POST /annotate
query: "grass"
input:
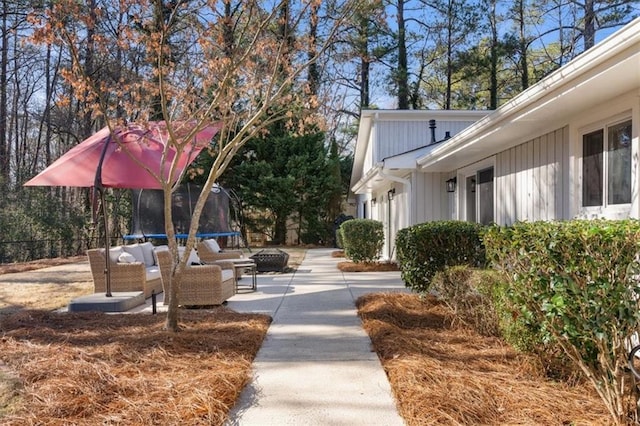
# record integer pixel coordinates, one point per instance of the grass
(446, 374)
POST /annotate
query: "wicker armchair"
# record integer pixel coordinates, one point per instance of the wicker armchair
(201, 285)
(124, 276)
(209, 252)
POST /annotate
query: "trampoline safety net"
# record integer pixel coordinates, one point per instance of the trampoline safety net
(148, 210)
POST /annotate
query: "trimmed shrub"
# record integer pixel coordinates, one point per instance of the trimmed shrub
(577, 283)
(428, 248)
(362, 239)
(469, 294)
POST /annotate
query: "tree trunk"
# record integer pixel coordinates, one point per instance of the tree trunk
(493, 73)
(589, 24)
(4, 152)
(402, 71)
(524, 62)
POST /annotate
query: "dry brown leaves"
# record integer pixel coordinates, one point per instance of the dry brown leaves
(444, 375)
(10, 268)
(349, 266)
(95, 368)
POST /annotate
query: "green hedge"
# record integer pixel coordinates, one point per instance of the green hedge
(425, 249)
(577, 283)
(362, 239)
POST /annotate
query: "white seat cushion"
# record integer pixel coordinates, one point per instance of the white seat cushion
(227, 274)
(126, 258)
(193, 256)
(153, 272)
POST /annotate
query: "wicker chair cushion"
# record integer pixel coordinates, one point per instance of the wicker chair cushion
(126, 258)
(147, 252)
(114, 253)
(193, 256)
(213, 245)
(135, 250)
(152, 272)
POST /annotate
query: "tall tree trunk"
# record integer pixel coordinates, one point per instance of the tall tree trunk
(589, 24)
(4, 152)
(524, 47)
(402, 71)
(313, 76)
(493, 73)
(87, 120)
(365, 63)
(450, 24)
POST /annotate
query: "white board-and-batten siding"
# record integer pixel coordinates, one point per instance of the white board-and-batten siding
(397, 137)
(532, 180)
(432, 200)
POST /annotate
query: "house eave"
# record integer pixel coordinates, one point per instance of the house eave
(609, 69)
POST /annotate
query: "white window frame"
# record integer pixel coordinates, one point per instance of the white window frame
(461, 178)
(610, 211)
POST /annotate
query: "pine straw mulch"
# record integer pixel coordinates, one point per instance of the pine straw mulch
(444, 374)
(349, 266)
(96, 368)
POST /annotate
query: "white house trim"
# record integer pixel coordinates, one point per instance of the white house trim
(609, 69)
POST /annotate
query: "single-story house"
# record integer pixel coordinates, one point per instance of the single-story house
(567, 147)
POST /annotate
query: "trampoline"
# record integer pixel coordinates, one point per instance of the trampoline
(148, 213)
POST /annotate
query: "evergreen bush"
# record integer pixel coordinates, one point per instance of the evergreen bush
(577, 283)
(362, 239)
(428, 248)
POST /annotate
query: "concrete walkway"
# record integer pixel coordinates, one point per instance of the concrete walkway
(316, 366)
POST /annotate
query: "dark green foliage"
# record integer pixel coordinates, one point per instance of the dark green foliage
(288, 181)
(576, 283)
(36, 224)
(428, 248)
(362, 239)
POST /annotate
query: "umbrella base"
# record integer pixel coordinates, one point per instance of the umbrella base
(118, 302)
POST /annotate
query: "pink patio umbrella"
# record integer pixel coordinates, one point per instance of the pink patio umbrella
(127, 158)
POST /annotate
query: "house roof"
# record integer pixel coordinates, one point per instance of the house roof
(609, 69)
(397, 164)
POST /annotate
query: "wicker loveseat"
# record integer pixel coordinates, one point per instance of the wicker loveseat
(133, 268)
(201, 285)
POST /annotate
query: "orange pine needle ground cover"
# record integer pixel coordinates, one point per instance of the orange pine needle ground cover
(349, 266)
(95, 368)
(449, 375)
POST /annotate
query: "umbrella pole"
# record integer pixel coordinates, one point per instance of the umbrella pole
(98, 185)
(107, 263)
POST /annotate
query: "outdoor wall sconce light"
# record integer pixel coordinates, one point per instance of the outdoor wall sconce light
(451, 184)
(373, 201)
(390, 194)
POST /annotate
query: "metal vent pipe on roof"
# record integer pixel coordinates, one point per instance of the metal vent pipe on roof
(432, 126)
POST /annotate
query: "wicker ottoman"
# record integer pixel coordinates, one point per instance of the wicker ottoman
(271, 260)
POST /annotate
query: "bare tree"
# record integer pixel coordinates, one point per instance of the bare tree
(244, 87)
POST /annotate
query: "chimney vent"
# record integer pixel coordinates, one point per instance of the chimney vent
(432, 126)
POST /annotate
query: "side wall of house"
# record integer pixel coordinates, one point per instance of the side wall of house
(541, 179)
(532, 180)
(395, 137)
(432, 202)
